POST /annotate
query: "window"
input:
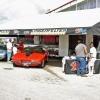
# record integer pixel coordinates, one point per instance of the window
(98, 5)
(92, 4)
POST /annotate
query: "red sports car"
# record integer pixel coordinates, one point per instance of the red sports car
(31, 56)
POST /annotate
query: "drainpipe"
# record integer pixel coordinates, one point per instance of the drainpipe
(96, 3)
(70, 7)
(76, 4)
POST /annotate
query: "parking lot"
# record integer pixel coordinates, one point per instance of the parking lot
(48, 83)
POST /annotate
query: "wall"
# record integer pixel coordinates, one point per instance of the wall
(63, 45)
(89, 38)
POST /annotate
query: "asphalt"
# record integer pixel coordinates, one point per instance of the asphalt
(48, 83)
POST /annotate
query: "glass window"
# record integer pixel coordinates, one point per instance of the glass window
(85, 6)
(91, 5)
(98, 5)
(94, 4)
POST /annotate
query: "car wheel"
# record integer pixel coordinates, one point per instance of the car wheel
(14, 65)
(42, 64)
(5, 59)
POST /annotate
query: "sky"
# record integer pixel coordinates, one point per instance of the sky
(12, 9)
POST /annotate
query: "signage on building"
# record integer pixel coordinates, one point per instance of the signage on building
(20, 32)
(4, 32)
(55, 31)
(80, 30)
(26, 32)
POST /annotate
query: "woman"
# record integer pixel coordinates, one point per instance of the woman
(20, 46)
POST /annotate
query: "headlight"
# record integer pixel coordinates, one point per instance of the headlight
(34, 62)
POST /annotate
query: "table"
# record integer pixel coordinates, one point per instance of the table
(70, 66)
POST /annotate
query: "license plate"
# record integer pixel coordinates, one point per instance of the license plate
(26, 63)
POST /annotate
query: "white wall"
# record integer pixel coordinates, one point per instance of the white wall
(63, 45)
(89, 38)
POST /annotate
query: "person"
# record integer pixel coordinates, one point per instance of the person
(14, 49)
(37, 39)
(20, 46)
(14, 41)
(81, 53)
(9, 50)
(92, 59)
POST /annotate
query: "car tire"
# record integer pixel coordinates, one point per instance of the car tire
(5, 59)
(14, 65)
(42, 64)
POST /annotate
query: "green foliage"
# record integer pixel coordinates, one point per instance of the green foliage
(3, 47)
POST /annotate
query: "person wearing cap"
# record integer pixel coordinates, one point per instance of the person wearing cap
(92, 59)
(81, 54)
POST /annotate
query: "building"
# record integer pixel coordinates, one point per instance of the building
(57, 30)
(76, 5)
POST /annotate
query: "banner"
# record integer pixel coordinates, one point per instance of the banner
(20, 32)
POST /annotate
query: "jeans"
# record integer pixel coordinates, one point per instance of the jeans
(81, 65)
(9, 53)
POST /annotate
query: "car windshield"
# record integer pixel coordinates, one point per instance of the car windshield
(36, 49)
(3, 47)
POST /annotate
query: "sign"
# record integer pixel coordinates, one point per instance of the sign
(26, 32)
(74, 65)
(4, 32)
(80, 30)
(20, 32)
(55, 31)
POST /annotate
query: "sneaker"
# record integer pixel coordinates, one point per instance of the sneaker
(78, 75)
(9, 62)
(84, 75)
(88, 74)
(91, 74)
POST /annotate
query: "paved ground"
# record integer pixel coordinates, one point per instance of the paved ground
(46, 84)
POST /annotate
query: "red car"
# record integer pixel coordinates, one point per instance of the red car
(31, 56)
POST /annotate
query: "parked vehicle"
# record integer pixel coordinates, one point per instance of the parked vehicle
(3, 52)
(30, 57)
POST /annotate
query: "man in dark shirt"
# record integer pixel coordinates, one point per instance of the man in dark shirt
(81, 53)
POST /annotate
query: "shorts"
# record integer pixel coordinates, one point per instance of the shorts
(91, 62)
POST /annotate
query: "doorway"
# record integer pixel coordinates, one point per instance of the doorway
(73, 42)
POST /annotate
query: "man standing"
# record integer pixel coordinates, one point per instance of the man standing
(81, 53)
(9, 50)
(92, 59)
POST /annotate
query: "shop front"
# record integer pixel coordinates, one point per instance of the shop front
(59, 32)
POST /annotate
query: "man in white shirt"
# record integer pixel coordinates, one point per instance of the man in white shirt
(92, 59)
(9, 50)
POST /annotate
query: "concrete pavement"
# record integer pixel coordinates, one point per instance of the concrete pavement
(48, 83)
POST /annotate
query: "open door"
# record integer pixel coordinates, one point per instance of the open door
(73, 42)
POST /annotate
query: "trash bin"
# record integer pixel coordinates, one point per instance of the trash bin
(97, 66)
(98, 55)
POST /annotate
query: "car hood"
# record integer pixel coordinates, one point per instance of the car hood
(33, 56)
